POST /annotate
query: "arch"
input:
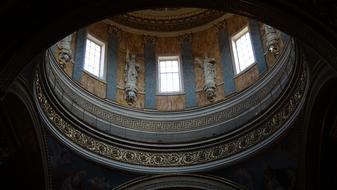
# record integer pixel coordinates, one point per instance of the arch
(320, 142)
(26, 161)
(180, 181)
(25, 39)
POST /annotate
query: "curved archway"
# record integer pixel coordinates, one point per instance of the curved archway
(322, 139)
(24, 161)
(19, 47)
(180, 182)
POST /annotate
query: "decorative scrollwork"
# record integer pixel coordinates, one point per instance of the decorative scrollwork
(166, 158)
(115, 31)
(149, 39)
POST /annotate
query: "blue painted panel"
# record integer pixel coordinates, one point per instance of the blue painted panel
(79, 54)
(150, 75)
(226, 62)
(257, 45)
(188, 74)
(112, 63)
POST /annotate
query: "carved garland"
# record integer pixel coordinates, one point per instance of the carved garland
(172, 159)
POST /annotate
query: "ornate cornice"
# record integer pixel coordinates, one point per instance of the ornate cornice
(167, 13)
(167, 24)
(173, 159)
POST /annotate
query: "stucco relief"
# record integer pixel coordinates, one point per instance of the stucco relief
(272, 37)
(65, 55)
(208, 65)
(131, 76)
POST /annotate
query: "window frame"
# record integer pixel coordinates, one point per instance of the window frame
(234, 51)
(180, 74)
(102, 65)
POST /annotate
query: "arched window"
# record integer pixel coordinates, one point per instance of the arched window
(242, 50)
(94, 57)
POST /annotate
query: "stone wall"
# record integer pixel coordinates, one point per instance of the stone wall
(93, 85)
(170, 103)
(247, 78)
(235, 24)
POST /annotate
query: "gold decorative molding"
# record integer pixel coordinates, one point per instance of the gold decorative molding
(149, 39)
(115, 30)
(167, 13)
(177, 158)
(220, 25)
(187, 37)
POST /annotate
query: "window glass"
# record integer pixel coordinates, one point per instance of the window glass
(169, 74)
(242, 50)
(93, 62)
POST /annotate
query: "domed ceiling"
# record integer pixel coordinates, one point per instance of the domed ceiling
(117, 113)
